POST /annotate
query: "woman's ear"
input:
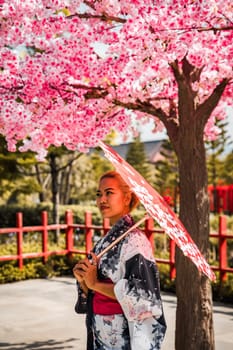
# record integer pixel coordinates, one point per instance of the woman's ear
(128, 197)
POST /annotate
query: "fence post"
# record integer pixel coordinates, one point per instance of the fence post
(222, 247)
(149, 231)
(19, 224)
(69, 232)
(172, 259)
(88, 224)
(44, 219)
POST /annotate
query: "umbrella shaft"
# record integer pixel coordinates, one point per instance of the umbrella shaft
(121, 237)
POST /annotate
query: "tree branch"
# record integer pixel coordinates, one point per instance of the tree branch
(103, 17)
(170, 121)
(145, 107)
(198, 29)
(205, 109)
(70, 162)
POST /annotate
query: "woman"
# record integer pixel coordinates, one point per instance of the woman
(123, 295)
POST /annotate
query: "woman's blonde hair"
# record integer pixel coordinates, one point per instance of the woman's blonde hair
(112, 174)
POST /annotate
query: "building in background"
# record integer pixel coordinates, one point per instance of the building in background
(152, 150)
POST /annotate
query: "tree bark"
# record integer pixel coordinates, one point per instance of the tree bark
(65, 185)
(55, 193)
(40, 181)
(194, 320)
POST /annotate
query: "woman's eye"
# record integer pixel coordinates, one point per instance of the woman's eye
(98, 194)
(108, 193)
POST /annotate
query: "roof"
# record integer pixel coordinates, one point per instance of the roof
(152, 150)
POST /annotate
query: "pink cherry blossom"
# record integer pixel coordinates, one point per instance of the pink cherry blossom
(70, 72)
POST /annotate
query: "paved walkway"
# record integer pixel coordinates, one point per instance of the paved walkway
(39, 315)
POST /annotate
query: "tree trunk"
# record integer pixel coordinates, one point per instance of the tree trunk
(40, 181)
(55, 193)
(175, 196)
(194, 320)
(65, 185)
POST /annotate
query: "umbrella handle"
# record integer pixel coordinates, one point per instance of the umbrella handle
(122, 236)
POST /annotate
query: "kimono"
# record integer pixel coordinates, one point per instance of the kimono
(138, 322)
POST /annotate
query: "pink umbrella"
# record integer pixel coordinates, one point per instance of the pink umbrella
(158, 209)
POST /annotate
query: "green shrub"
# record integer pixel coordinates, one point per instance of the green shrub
(31, 214)
(32, 269)
(223, 291)
(11, 273)
(166, 284)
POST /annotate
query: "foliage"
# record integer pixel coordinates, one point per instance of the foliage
(90, 169)
(15, 170)
(215, 149)
(166, 283)
(167, 174)
(227, 169)
(65, 177)
(89, 173)
(223, 291)
(55, 172)
(230, 223)
(136, 156)
(31, 214)
(214, 222)
(79, 211)
(55, 266)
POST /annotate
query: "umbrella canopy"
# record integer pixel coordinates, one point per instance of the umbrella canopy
(158, 209)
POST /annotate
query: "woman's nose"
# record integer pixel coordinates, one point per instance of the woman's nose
(103, 199)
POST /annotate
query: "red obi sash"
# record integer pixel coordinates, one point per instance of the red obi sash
(103, 305)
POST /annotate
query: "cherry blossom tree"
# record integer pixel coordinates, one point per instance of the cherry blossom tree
(70, 71)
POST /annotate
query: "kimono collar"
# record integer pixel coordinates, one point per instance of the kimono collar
(122, 225)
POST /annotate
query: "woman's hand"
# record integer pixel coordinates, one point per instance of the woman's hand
(85, 271)
(78, 274)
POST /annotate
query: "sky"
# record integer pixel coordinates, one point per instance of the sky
(147, 135)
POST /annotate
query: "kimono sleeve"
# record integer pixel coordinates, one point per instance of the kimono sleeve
(81, 303)
(138, 291)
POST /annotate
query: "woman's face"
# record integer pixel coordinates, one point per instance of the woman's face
(112, 202)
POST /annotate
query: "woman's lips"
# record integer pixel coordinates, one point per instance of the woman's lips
(103, 207)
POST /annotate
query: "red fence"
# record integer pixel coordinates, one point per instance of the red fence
(88, 228)
(221, 198)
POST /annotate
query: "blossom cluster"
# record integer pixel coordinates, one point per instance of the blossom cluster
(70, 70)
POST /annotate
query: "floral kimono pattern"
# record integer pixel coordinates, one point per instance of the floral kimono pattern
(131, 266)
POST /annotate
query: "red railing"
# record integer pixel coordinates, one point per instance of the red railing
(88, 229)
